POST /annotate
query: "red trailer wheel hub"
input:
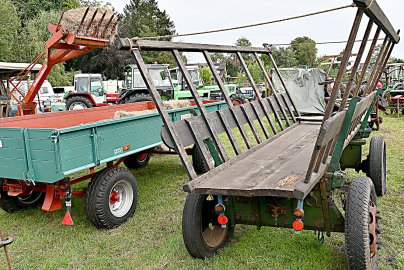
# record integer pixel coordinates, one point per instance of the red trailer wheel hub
(114, 197)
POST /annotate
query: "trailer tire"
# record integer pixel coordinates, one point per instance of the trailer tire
(201, 232)
(198, 161)
(139, 97)
(137, 161)
(237, 100)
(359, 219)
(73, 101)
(377, 164)
(12, 204)
(111, 198)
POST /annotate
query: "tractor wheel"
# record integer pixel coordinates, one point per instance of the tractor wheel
(237, 100)
(12, 204)
(377, 164)
(361, 225)
(111, 198)
(139, 97)
(198, 161)
(138, 160)
(78, 103)
(201, 232)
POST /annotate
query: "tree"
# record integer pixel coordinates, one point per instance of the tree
(284, 57)
(28, 10)
(207, 75)
(243, 42)
(256, 72)
(305, 50)
(10, 24)
(31, 43)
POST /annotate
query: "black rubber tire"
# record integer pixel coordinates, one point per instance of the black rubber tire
(198, 161)
(133, 162)
(357, 224)
(13, 204)
(377, 164)
(195, 217)
(4, 97)
(237, 100)
(78, 99)
(97, 197)
(139, 97)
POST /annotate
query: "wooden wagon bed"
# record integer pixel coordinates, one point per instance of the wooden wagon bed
(271, 169)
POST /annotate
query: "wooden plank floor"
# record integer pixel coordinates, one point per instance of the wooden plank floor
(273, 170)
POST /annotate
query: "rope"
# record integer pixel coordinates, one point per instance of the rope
(321, 43)
(249, 25)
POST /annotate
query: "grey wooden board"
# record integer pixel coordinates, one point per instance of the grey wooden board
(273, 170)
(185, 134)
(364, 104)
(331, 128)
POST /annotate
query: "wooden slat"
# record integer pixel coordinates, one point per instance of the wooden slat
(281, 106)
(200, 143)
(172, 133)
(229, 133)
(264, 128)
(277, 118)
(199, 103)
(251, 123)
(226, 97)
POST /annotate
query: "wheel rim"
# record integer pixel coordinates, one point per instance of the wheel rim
(30, 198)
(237, 102)
(77, 106)
(121, 198)
(373, 232)
(212, 232)
(141, 157)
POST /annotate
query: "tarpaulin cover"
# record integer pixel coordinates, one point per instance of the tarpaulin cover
(303, 87)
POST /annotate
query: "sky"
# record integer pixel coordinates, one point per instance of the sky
(193, 16)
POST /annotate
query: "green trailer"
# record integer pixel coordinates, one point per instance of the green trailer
(40, 154)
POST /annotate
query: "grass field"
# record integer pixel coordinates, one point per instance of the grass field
(152, 239)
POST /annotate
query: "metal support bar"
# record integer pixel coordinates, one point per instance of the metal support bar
(343, 65)
(356, 64)
(199, 103)
(269, 53)
(164, 114)
(376, 67)
(226, 97)
(367, 61)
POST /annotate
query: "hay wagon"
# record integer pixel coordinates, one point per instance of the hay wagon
(265, 165)
(40, 156)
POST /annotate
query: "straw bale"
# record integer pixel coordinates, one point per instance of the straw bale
(72, 18)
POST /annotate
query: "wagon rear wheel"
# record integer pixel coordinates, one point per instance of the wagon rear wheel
(12, 204)
(361, 225)
(138, 160)
(198, 161)
(111, 198)
(201, 232)
(377, 164)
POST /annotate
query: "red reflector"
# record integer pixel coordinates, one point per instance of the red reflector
(222, 219)
(297, 225)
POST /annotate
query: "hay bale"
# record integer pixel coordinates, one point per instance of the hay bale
(169, 104)
(176, 104)
(123, 114)
(72, 18)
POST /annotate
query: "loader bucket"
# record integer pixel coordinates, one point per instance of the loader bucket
(91, 23)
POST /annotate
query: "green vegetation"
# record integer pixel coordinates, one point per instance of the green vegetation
(152, 238)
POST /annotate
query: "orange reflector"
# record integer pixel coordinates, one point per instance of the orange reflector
(297, 225)
(298, 213)
(219, 208)
(126, 147)
(222, 219)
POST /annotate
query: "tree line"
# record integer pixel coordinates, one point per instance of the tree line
(24, 31)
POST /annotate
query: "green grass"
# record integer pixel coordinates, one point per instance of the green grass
(152, 238)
